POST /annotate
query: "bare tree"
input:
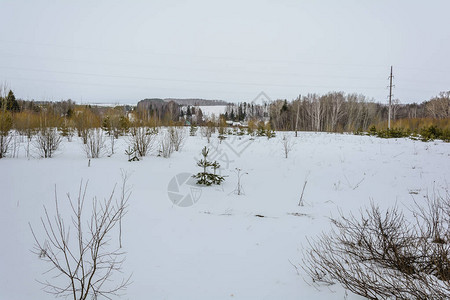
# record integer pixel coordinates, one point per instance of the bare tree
(177, 137)
(396, 105)
(297, 115)
(288, 144)
(142, 140)
(336, 111)
(80, 258)
(95, 143)
(439, 107)
(47, 141)
(165, 145)
(207, 131)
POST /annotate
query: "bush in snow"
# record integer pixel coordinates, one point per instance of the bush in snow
(5, 130)
(142, 139)
(177, 137)
(47, 141)
(165, 145)
(381, 255)
(95, 143)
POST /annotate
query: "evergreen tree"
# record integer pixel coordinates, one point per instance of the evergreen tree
(199, 116)
(285, 107)
(11, 102)
(69, 113)
(124, 124)
(106, 125)
(193, 130)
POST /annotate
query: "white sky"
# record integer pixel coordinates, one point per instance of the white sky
(124, 51)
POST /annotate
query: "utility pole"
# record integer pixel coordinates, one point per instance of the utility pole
(390, 99)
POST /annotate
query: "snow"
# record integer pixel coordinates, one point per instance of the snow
(210, 110)
(218, 248)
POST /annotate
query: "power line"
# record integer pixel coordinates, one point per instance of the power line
(189, 68)
(228, 58)
(187, 80)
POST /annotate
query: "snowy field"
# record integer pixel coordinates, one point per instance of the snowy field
(218, 248)
(209, 111)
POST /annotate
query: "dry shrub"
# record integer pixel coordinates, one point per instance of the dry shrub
(165, 144)
(47, 141)
(5, 132)
(380, 255)
(177, 137)
(95, 144)
(142, 139)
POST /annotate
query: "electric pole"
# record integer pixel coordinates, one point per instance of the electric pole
(390, 99)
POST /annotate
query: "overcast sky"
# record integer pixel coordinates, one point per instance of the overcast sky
(124, 51)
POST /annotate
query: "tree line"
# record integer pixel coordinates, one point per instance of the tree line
(340, 112)
(331, 112)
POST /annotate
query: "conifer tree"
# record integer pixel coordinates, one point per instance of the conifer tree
(205, 177)
(193, 130)
(11, 102)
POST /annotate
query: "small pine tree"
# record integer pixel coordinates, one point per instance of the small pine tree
(106, 125)
(193, 130)
(261, 130)
(205, 177)
(372, 130)
(217, 179)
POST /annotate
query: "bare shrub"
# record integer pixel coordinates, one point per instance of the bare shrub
(177, 137)
(95, 143)
(15, 144)
(239, 190)
(207, 131)
(165, 144)
(142, 139)
(47, 141)
(287, 144)
(381, 255)
(82, 263)
(26, 124)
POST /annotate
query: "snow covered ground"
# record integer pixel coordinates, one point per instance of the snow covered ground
(218, 248)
